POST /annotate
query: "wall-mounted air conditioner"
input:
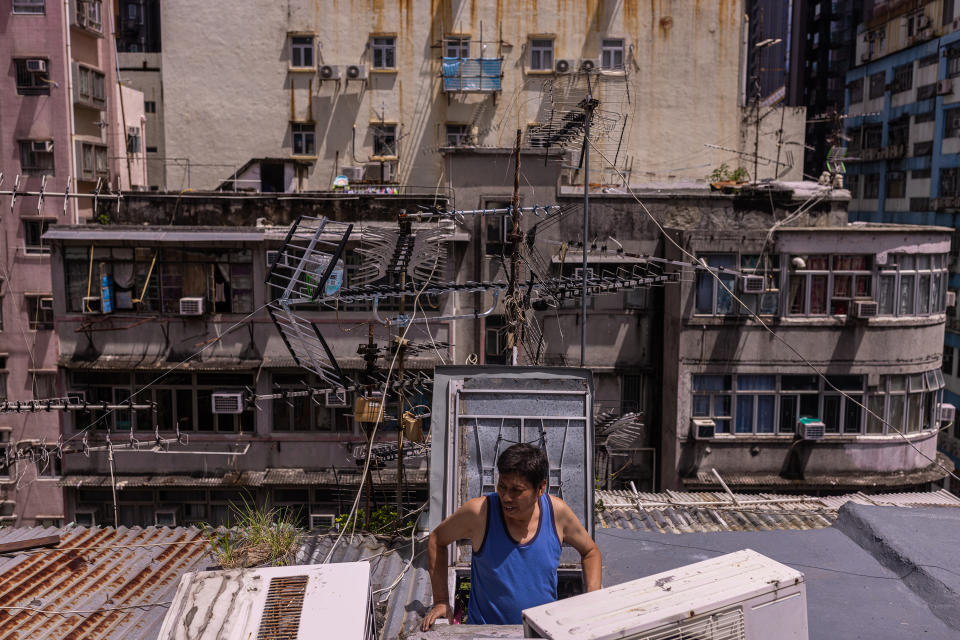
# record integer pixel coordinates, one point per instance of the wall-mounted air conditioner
(329, 72)
(36, 65)
(752, 284)
(295, 602)
(945, 86)
(948, 413)
(41, 146)
(191, 306)
(336, 398)
(226, 402)
(356, 72)
(865, 309)
(46, 304)
(589, 64)
(563, 66)
(703, 428)
(737, 596)
(811, 428)
(353, 174)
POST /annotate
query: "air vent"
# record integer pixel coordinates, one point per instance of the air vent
(281, 612)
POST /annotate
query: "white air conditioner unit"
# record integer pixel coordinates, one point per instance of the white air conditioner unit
(589, 64)
(951, 298)
(322, 521)
(85, 517)
(811, 428)
(865, 308)
(353, 174)
(356, 72)
(191, 306)
(703, 428)
(46, 304)
(752, 284)
(226, 402)
(41, 146)
(329, 72)
(295, 602)
(948, 412)
(945, 86)
(387, 174)
(165, 518)
(737, 596)
(336, 398)
(91, 306)
(563, 66)
(37, 65)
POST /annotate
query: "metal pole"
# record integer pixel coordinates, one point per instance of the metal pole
(516, 323)
(588, 113)
(113, 483)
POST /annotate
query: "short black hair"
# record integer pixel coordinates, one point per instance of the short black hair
(525, 460)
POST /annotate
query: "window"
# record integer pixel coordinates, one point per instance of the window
(871, 186)
(711, 297)
(458, 135)
(873, 136)
(930, 60)
(755, 411)
(828, 284)
(301, 52)
(632, 393)
(33, 231)
(90, 86)
(912, 284)
(3, 384)
(947, 365)
(908, 403)
(856, 91)
(853, 184)
(950, 182)
(495, 342)
(384, 52)
(896, 184)
(88, 15)
(948, 12)
(920, 204)
(951, 124)
(304, 139)
(925, 116)
(877, 85)
(922, 149)
(36, 157)
(920, 174)
(50, 465)
(29, 6)
(456, 47)
(768, 266)
(541, 54)
(32, 76)
(45, 385)
(611, 54)
(898, 132)
(495, 229)
(902, 78)
(927, 91)
(93, 159)
(39, 312)
(149, 106)
(953, 62)
(712, 398)
(133, 140)
(151, 149)
(384, 140)
(301, 413)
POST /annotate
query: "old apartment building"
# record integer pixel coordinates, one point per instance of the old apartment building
(62, 128)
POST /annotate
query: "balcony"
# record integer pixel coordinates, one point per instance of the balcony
(472, 75)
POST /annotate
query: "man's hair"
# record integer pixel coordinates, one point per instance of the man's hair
(525, 460)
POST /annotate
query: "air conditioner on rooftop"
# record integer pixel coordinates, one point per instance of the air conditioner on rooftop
(226, 403)
(703, 428)
(191, 306)
(737, 596)
(811, 428)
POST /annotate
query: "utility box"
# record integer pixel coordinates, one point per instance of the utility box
(480, 411)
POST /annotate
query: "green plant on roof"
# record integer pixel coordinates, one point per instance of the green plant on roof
(723, 173)
(260, 537)
(383, 521)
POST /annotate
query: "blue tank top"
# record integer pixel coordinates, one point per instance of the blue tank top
(506, 577)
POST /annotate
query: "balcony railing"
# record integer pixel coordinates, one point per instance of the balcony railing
(481, 75)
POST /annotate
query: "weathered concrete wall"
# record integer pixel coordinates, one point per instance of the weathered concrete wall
(141, 71)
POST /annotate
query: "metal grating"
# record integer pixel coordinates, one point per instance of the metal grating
(281, 612)
(727, 625)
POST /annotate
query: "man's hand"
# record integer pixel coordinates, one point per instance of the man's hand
(439, 610)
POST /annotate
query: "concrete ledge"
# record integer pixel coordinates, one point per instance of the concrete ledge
(916, 544)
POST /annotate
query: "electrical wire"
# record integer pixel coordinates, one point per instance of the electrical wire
(780, 339)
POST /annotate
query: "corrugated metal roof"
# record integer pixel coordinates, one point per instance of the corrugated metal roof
(684, 512)
(103, 569)
(269, 477)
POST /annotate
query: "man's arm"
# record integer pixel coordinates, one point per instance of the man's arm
(462, 524)
(573, 533)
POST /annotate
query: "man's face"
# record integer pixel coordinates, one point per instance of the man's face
(518, 496)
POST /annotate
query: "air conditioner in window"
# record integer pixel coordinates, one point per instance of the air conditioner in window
(865, 309)
(191, 306)
(91, 306)
(329, 72)
(322, 521)
(563, 66)
(46, 304)
(165, 518)
(703, 428)
(226, 403)
(948, 413)
(737, 596)
(353, 174)
(41, 146)
(945, 86)
(36, 65)
(589, 64)
(752, 284)
(951, 298)
(85, 517)
(357, 72)
(811, 428)
(336, 398)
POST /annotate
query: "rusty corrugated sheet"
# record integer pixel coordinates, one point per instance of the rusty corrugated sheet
(90, 572)
(688, 512)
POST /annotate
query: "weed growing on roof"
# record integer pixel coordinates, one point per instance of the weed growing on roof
(723, 173)
(260, 537)
(383, 521)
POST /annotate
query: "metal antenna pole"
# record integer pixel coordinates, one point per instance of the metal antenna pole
(588, 105)
(512, 308)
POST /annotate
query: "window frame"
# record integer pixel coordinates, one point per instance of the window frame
(456, 47)
(33, 165)
(937, 276)
(542, 55)
(303, 139)
(38, 318)
(383, 53)
(302, 47)
(456, 134)
(32, 83)
(25, 7)
(385, 140)
(829, 275)
(38, 248)
(609, 50)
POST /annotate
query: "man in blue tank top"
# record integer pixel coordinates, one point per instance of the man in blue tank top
(516, 534)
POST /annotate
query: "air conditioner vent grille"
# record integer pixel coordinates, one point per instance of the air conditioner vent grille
(281, 612)
(727, 625)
